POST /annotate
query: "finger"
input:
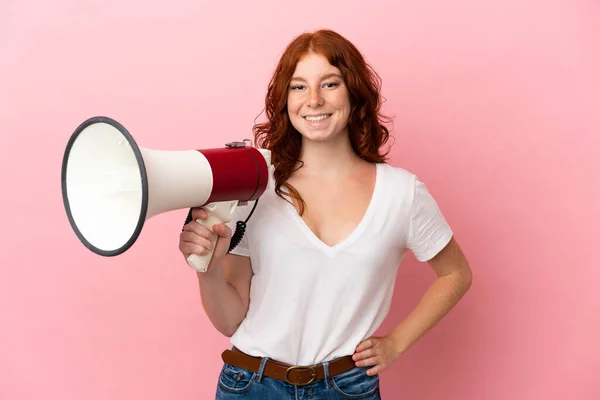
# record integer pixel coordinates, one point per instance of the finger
(200, 230)
(365, 344)
(366, 362)
(195, 240)
(222, 230)
(190, 248)
(361, 355)
(375, 370)
(199, 213)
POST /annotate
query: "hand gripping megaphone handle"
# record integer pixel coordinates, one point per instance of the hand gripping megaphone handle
(218, 213)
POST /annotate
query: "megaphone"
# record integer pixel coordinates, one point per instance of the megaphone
(111, 186)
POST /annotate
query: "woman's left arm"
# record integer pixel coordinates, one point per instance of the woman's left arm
(453, 281)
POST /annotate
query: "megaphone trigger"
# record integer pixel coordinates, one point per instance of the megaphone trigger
(218, 213)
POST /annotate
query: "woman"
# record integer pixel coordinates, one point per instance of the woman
(303, 293)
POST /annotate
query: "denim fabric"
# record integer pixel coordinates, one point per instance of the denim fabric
(238, 383)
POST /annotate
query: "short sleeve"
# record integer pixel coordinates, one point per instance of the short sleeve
(240, 214)
(429, 231)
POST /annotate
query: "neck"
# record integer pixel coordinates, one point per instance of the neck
(330, 159)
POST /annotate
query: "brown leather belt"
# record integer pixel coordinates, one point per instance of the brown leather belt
(293, 374)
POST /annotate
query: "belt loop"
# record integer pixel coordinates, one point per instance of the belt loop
(326, 373)
(261, 369)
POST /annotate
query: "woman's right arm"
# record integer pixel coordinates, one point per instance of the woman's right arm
(225, 292)
(225, 286)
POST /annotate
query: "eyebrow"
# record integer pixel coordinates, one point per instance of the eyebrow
(327, 76)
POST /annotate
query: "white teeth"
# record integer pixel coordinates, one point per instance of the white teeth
(317, 118)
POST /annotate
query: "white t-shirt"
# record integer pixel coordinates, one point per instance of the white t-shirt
(310, 302)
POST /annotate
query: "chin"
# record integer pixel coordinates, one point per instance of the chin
(326, 134)
(319, 137)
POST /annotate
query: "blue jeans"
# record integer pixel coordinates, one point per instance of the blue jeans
(239, 383)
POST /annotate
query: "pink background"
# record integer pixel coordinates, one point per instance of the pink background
(497, 109)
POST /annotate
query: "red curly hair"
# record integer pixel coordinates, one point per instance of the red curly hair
(365, 124)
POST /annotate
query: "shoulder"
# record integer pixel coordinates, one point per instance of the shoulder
(405, 186)
(397, 177)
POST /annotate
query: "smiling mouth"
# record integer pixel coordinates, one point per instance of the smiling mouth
(316, 118)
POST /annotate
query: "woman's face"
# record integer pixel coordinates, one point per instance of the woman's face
(318, 103)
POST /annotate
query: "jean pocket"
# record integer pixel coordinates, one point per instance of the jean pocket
(235, 379)
(356, 384)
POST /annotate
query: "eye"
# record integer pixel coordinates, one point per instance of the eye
(331, 85)
(296, 87)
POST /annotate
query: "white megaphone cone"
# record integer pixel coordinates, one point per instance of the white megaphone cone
(111, 186)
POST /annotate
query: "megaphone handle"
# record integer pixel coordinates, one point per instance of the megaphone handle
(200, 263)
(218, 213)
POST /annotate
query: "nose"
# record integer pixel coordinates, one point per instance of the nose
(314, 98)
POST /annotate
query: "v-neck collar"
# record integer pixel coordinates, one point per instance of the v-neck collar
(356, 232)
